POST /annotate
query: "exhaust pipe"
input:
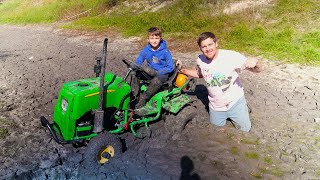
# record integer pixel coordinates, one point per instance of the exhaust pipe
(99, 113)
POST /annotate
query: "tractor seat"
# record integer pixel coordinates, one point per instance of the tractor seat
(171, 78)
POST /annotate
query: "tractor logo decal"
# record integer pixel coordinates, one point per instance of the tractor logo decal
(93, 94)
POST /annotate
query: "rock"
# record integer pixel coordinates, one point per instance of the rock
(317, 120)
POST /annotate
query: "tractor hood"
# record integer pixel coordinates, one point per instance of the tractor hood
(77, 98)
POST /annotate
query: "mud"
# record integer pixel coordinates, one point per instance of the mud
(35, 61)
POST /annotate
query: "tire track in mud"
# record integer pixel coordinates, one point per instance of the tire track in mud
(36, 61)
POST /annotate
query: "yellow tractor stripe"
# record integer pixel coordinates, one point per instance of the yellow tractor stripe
(93, 94)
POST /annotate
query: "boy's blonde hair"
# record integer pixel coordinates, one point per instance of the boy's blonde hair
(155, 31)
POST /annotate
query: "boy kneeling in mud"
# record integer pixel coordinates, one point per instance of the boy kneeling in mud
(220, 69)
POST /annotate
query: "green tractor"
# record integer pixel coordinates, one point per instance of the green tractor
(95, 111)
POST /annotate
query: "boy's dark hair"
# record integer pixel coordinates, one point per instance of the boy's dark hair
(155, 31)
(205, 36)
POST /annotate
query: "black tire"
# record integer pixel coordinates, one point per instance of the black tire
(175, 123)
(96, 145)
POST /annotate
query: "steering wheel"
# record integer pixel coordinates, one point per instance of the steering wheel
(147, 72)
(132, 65)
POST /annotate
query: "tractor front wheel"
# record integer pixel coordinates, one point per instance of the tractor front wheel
(101, 149)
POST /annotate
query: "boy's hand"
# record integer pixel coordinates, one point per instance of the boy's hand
(149, 71)
(179, 64)
(251, 63)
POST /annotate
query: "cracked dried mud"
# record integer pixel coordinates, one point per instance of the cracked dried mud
(36, 60)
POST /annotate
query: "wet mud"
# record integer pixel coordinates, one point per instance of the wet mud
(36, 60)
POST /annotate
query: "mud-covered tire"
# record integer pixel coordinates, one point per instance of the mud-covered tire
(96, 145)
(175, 123)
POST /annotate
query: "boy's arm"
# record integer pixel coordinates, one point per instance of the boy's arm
(192, 72)
(169, 65)
(196, 72)
(140, 58)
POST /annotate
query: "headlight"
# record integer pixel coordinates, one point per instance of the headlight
(64, 105)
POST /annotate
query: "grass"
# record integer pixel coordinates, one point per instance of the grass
(282, 31)
(273, 171)
(317, 138)
(256, 175)
(4, 132)
(250, 141)
(267, 160)
(234, 150)
(317, 173)
(276, 172)
(252, 155)
(230, 136)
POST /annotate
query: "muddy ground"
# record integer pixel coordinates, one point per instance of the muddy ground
(35, 61)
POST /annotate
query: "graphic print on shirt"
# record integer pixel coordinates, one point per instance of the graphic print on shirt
(155, 59)
(218, 79)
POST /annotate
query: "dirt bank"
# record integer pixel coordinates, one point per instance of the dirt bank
(35, 61)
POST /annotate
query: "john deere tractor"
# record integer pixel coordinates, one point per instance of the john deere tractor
(94, 111)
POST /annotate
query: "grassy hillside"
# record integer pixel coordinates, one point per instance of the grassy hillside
(285, 30)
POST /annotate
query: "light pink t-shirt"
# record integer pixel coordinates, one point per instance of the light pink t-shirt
(222, 77)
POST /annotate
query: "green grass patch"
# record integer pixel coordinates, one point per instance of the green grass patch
(270, 149)
(276, 172)
(273, 171)
(262, 169)
(234, 150)
(3, 133)
(4, 125)
(267, 160)
(6, 122)
(317, 138)
(252, 155)
(317, 173)
(250, 141)
(281, 31)
(256, 175)
(230, 135)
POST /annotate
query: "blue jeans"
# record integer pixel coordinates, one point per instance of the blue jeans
(238, 114)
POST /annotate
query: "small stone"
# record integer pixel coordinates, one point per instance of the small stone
(317, 120)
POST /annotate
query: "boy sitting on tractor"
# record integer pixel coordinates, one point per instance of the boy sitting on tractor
(159, 64)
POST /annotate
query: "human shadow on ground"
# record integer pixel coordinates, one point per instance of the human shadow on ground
(186, 169)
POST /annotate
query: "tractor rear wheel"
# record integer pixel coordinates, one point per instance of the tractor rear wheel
(101, 149)
(175, 123)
